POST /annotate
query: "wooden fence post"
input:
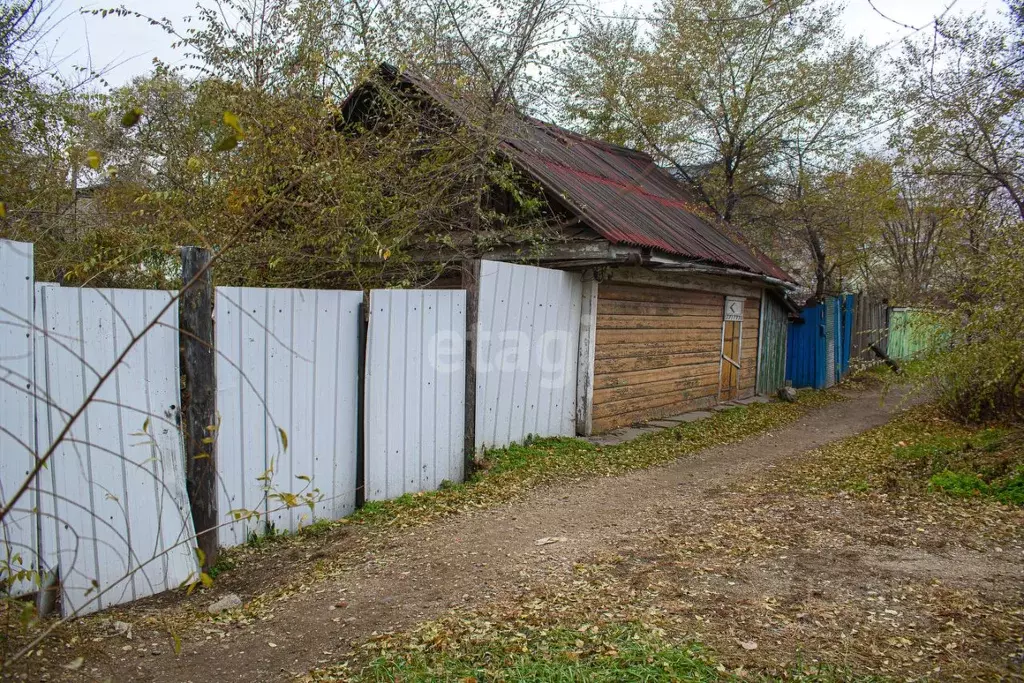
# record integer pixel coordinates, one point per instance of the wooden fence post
(199, 397)
(585, 357)
(471, 283)
(364, 322)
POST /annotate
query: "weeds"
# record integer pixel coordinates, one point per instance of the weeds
(920, 451)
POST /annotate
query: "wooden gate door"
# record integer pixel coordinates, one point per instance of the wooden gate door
(731, 331)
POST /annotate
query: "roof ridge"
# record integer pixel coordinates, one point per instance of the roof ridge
(547, 126)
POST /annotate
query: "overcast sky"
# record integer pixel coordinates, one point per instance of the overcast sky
(128, 46)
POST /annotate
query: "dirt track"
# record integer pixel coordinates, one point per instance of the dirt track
(472, 558)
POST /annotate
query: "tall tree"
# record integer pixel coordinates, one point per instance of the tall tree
(750, 102)
(961, 115)
(961, 103)
(259, 118)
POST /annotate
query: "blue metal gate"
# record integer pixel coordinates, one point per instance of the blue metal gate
(818, 353)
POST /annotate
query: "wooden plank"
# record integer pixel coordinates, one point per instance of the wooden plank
(620, 292)
(199, 397)
(730, 350)
(668, 394)
(760, 338)
(471, 283)
(703, 384)
(646, 361)
(652, 322)
(621, 379)
(642, 349)
(676, 407)
(684, 281)
(606, 336)
(652, 308)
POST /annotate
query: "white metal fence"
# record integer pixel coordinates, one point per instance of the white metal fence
(110, 512)
(287, 372)
(115, 512)
(17, 409)
(415, 391)
(110, 507)
(527, 351)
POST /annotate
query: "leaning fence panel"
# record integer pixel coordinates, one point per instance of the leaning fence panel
(113, 505)
(17, 417)
(527, 351)
(870, 327)
(287, 398)
(415, 391)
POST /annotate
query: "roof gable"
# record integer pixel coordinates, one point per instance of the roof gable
(619, 192)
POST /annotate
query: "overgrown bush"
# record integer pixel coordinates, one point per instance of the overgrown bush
(978, 374)
(980, 380)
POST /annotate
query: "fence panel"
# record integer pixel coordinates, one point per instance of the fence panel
(846, 333)
(17, 412)
(415, 391)
(774, 331)
(913, 332)
(831, 333)
(805, 354)
(870, 326)
(288, 389)
(527, 353)
(115, 514)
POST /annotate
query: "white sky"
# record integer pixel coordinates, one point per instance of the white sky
(126, 47)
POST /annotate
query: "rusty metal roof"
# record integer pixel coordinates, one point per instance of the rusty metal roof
(619, 192)
(627, 198)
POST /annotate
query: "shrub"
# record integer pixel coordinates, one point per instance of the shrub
(979, 374)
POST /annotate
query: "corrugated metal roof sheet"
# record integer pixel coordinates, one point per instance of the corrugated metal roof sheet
(619, 192)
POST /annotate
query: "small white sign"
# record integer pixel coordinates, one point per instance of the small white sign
(734, 308)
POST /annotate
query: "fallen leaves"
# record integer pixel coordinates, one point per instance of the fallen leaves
(802, 564)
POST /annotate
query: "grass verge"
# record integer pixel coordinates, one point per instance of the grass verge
(476, 650)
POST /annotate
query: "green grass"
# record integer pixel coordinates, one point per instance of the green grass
(630, 652)
(622, 653)
(1009, 489)
(507, 473)
(960, 484)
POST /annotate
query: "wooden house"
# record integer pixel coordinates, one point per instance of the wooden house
(676, 306)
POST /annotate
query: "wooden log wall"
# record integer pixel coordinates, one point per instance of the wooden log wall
(657, 352)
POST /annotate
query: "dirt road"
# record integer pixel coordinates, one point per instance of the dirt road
(472, 558)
